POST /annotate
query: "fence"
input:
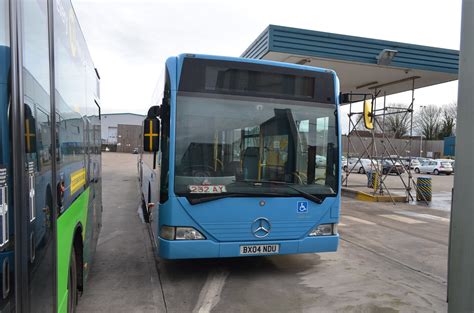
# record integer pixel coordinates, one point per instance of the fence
(429, 148)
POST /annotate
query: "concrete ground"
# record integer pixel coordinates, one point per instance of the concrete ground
(441, 187)
(391, 258)
(123, 277)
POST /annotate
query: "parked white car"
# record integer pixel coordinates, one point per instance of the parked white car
(320, 160)
(435, 167)
(414, 163)
(360, 166)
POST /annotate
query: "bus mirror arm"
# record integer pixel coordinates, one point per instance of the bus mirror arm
(345, 98)
(154, 112)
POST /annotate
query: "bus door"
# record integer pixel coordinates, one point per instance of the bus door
(38, 255)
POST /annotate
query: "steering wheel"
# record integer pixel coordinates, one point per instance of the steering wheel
(199, 170)
(320, 178)
(303, 178)
(299, 176)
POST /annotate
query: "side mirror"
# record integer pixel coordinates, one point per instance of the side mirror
(151, 134)
(368, 117)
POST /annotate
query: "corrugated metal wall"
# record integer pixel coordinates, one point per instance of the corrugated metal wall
(450, 146)
(128, 137)
(402, 147)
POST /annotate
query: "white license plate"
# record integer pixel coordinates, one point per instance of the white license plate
(259, 249)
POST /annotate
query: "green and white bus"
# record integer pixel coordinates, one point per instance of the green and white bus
(50, 162)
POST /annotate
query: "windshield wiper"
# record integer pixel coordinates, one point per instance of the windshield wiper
(230, 194)
(303, 193)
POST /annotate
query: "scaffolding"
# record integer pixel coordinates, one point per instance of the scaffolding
(386, 155)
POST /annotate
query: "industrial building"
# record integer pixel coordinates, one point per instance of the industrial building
(111, 121)
(120, 131)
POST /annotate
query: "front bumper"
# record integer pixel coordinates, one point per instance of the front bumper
(197, 249)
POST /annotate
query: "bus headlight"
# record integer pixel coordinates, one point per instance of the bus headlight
(188, 233)
(180, 233)
(324, 230)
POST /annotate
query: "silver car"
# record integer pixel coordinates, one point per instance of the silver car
(435, 167)
(359, 166)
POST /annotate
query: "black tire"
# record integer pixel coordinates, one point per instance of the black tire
(436, 172)
(361, 170)
(72, 283)
(448, 173)
(384, 172)
(417, 170)
(345, 168)
(146, 214)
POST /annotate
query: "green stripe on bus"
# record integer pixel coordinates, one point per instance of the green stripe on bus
(76, 214)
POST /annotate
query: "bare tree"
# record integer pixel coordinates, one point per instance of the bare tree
(448, 124)
(428, 122)
(397, 121)
(358, 121)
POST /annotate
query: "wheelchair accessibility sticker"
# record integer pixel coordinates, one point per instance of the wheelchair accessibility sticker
(302, 207)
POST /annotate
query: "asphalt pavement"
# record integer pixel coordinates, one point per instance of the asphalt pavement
(391, 258)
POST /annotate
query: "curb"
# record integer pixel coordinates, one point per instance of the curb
(363, 196)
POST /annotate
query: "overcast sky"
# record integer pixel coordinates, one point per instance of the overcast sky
(130, 39)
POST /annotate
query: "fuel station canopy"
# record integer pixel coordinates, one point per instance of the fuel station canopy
(363, 65)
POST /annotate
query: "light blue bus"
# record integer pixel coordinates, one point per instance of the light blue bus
(241, 157)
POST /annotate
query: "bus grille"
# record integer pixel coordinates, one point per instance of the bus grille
(241, 231)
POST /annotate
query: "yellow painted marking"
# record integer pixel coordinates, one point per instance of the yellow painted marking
(402, 219)
(365, 197)
(28, 135)
(78, 180)
(151, 135)
(358, 220)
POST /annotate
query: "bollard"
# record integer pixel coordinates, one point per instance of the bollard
(373, 180)
(369, 179)
(423, 189)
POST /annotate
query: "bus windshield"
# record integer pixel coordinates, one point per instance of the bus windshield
(226, 144)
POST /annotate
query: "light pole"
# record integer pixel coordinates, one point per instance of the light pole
(421, 136)
(421, 145)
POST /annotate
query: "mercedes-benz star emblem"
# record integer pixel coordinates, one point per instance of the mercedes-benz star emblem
(261, 227)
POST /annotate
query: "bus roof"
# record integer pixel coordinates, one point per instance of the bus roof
(355, 59)
(255, 61)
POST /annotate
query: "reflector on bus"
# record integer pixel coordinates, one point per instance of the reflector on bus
(30, 131)
(151, 134)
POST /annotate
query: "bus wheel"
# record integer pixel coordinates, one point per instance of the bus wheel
(72, 284)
